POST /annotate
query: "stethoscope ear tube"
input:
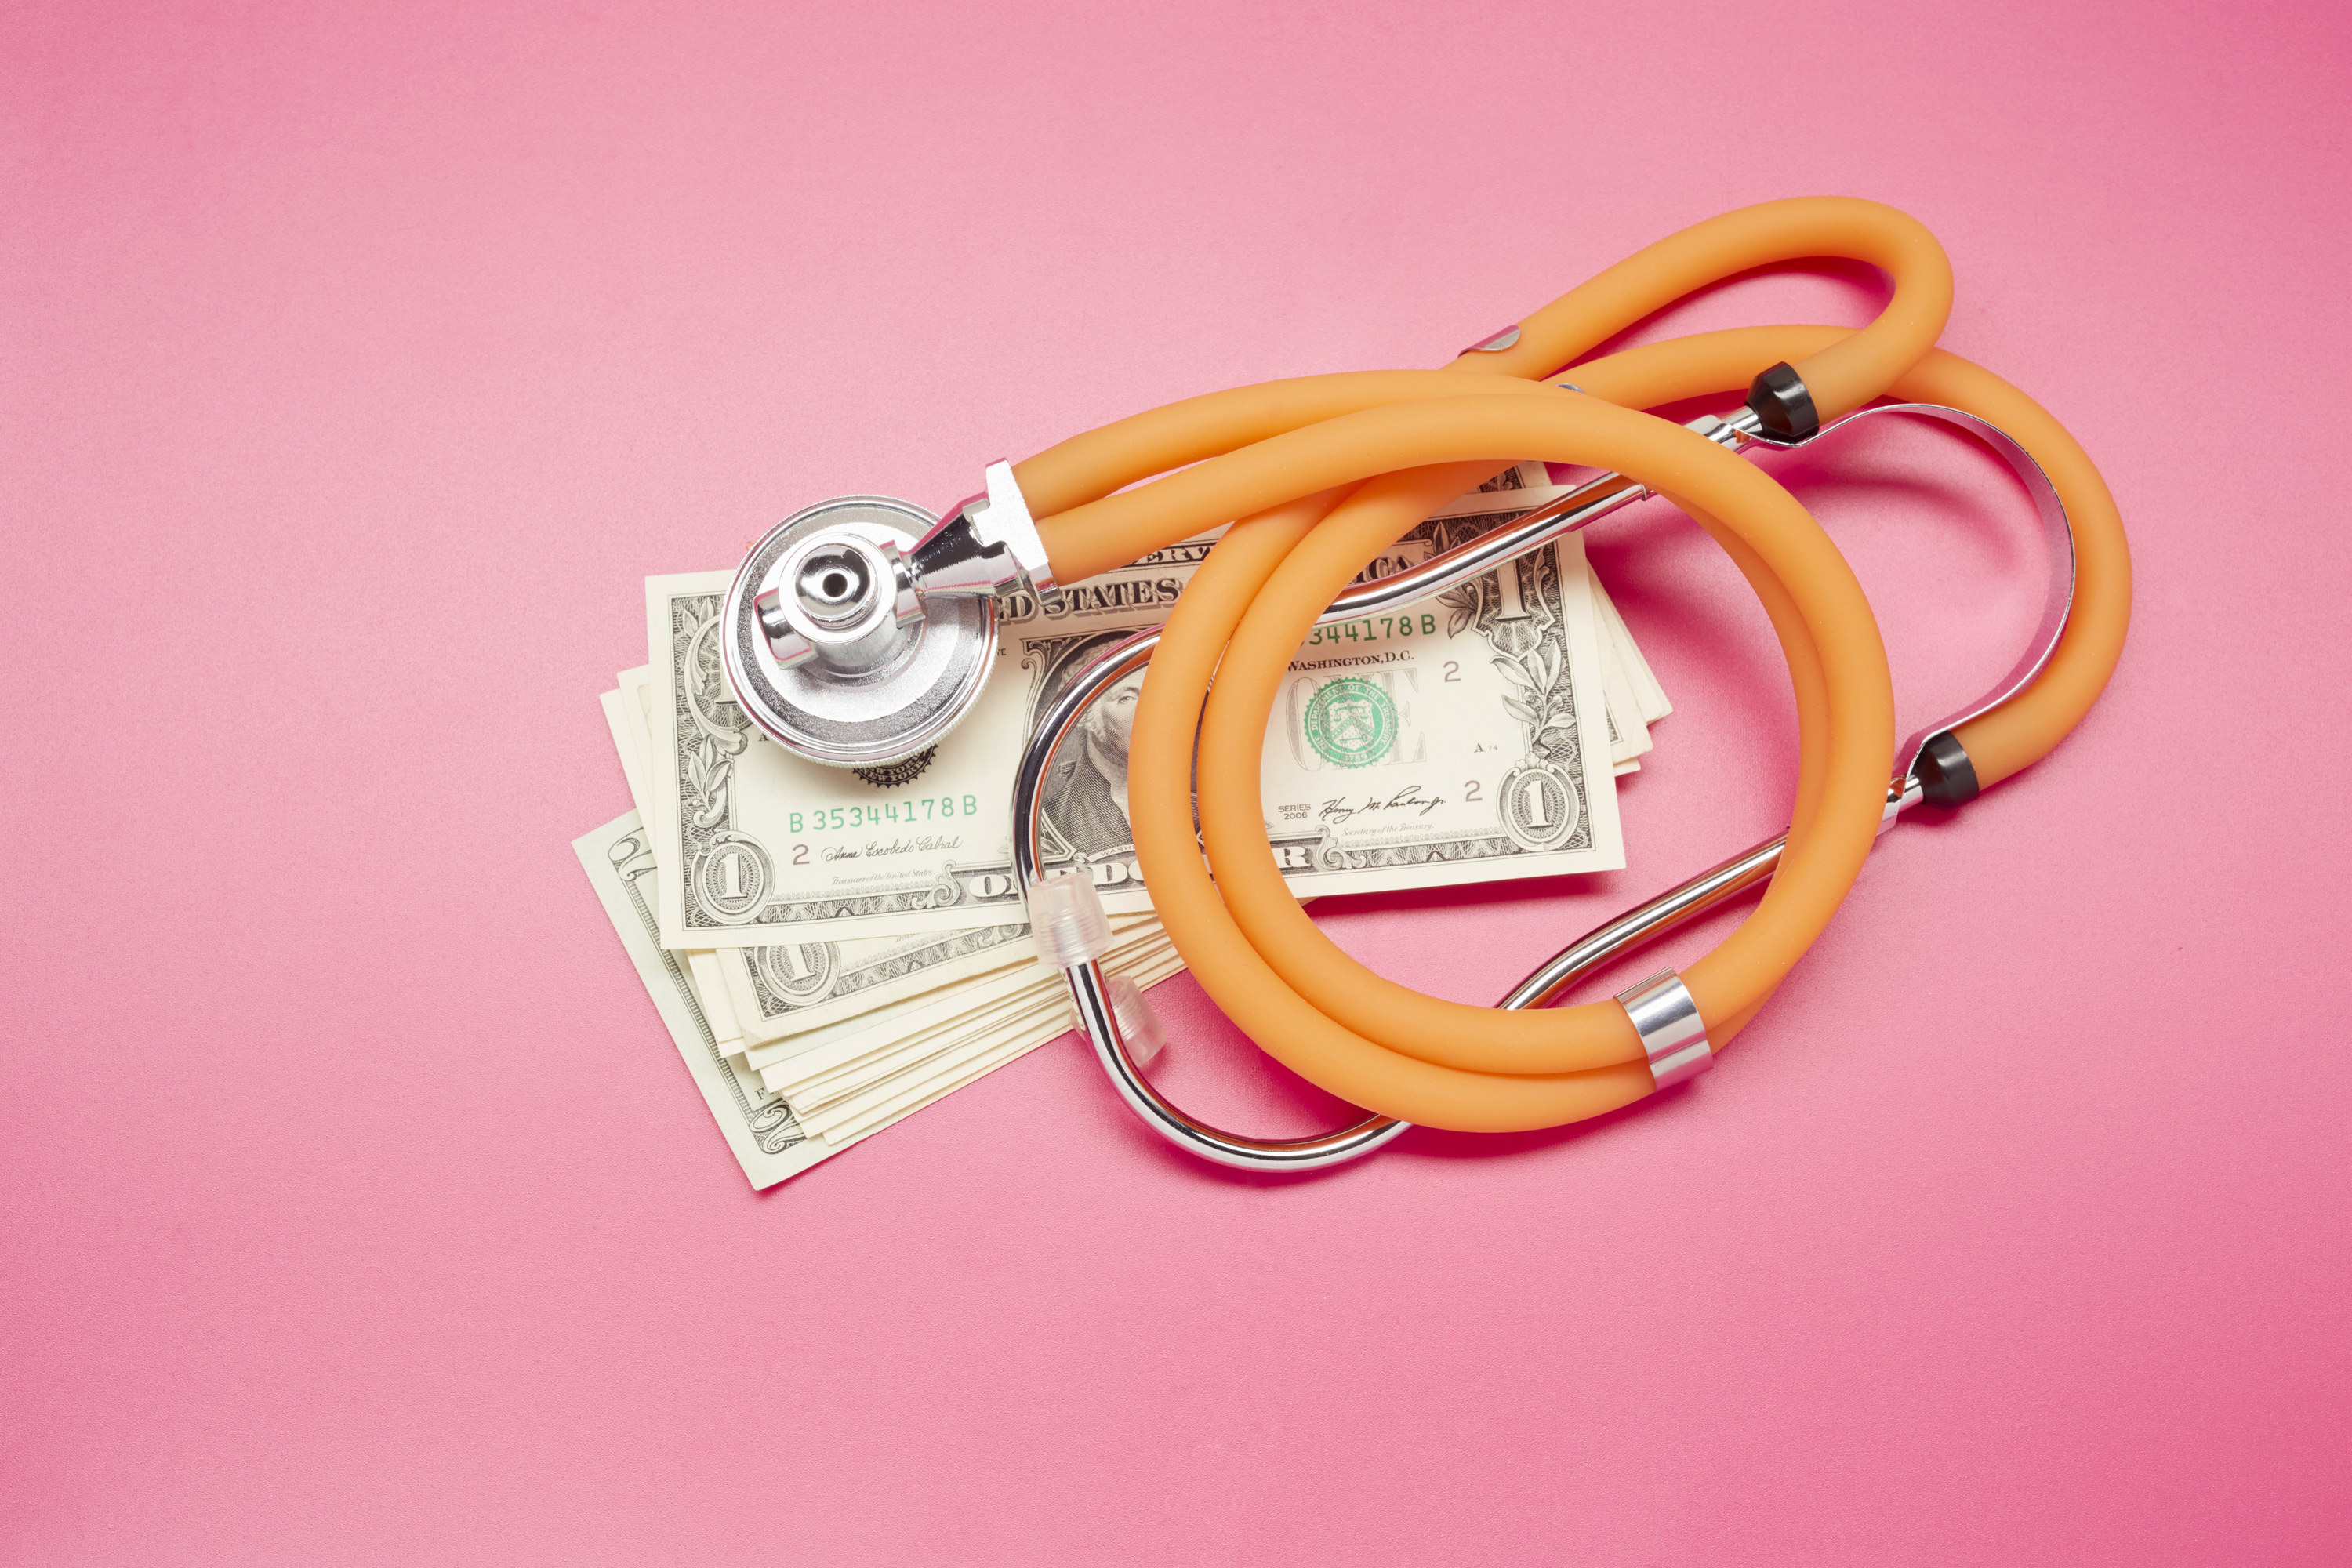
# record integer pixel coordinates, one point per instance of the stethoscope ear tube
(1933, 752)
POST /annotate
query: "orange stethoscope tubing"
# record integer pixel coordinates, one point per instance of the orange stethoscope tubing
(1328, 471)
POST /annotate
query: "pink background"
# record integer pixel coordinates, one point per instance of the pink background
(354, 1206)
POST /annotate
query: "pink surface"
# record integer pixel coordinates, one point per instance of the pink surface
(353, 1205)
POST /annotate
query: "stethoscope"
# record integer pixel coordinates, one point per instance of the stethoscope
(859, 632)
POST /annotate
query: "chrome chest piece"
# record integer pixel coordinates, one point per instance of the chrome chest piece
(859, 631)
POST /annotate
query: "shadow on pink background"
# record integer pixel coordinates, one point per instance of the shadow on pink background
(353, 1205)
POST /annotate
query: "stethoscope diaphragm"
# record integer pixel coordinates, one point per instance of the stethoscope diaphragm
(889, 687)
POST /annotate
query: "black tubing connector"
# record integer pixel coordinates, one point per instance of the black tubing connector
(1947, 777)
(1778, 399)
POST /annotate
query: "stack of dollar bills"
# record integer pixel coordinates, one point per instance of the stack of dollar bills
(835, 949)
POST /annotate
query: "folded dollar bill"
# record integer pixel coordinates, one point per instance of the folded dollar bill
(788, 987)
(862, 1093)
(803, 1046)
(758, 1125)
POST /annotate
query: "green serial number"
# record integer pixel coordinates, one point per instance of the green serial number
(1374, 628)
(894, 813)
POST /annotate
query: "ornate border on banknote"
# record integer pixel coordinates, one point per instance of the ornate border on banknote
(786, 977)
(1521, 611)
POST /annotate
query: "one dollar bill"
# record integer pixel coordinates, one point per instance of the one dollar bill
(1462, 740)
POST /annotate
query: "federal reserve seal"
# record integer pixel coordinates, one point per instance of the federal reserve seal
(898, 775)
(1351, 722)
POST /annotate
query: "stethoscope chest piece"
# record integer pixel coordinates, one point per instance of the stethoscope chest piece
(830, 649)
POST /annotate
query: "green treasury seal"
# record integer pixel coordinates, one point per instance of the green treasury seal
(1351, 722)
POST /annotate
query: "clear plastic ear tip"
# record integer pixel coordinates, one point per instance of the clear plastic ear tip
(1065, 916)
(1139, 1029)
